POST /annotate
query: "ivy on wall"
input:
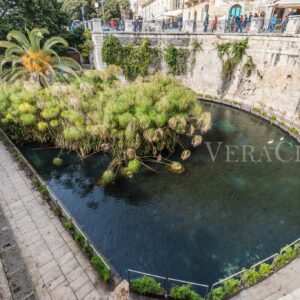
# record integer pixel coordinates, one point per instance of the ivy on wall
(135, 60)
(231, 54)
(176, 59)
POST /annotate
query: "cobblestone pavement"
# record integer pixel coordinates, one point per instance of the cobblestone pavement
(283, 285)
(56, 265)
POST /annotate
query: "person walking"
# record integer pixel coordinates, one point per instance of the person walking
(206, 22)
(238, 23)
(214, 24)
(249, 22)
(140, 23)
(135, 24)
(179, 22)
(284, 23)
(273, 23)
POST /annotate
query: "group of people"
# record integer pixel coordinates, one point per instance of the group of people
(137, 24)
(242, 23)
(116, 24)
(281, 23)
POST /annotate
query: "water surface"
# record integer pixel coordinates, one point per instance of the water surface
(202, 225)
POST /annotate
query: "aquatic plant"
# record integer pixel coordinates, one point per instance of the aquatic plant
(138, 124)
(25, 58)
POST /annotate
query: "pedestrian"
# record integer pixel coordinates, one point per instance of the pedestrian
(140, 23)
(273, 23)
(284, 23)
(205, 24)
(248, 24)
(238, 24)
(232, 24)
(179, 22)
(135, 24)
(214, 24)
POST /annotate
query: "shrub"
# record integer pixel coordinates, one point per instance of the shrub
(250, 277)
(79, 239)
(264, 270)
(287, 254)
(184, 292)
(294, 130)
(146, 284)
(101, 268)
(68, 225)
(43, 190)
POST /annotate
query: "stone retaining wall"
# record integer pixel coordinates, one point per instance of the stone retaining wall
(273, 84)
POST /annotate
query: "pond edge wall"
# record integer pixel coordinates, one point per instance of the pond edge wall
(274, 82)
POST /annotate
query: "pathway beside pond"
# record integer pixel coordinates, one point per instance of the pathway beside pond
(283, 285)
(56, 265)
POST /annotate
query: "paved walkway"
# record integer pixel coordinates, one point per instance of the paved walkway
(57, 267)
(283, 285)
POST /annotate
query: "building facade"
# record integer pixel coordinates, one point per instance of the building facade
(192, 13)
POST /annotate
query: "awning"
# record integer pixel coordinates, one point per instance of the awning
(287, 4)
(173, 13)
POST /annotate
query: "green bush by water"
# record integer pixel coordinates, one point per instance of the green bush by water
(100, 267)
(184, 292)
(146, 284)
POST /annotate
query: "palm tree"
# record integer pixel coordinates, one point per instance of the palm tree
(24, 58)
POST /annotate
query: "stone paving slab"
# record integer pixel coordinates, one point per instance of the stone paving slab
(283, 285)
(56, 265)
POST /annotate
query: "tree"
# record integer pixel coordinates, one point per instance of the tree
(25, 58)
(115, 9)
(29, 14)
(72, 8)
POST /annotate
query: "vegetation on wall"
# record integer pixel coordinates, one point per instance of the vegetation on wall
(176, 59)
(135, 60)
(231, 54)
(136, 123)
(249, 66)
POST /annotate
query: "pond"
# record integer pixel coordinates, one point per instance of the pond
(209, 222)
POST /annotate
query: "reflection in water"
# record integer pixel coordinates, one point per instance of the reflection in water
(201, 225)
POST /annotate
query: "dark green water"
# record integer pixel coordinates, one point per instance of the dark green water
(209, 222)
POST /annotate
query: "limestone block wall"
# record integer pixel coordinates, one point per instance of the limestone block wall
(275, 81)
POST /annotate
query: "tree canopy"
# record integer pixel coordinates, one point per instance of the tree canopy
(115, 9)
(72, 8)
(29, 14)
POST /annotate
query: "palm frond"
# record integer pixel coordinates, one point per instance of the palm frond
(20, 37)
(6, 44)
(35, 37)
(56, 40)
